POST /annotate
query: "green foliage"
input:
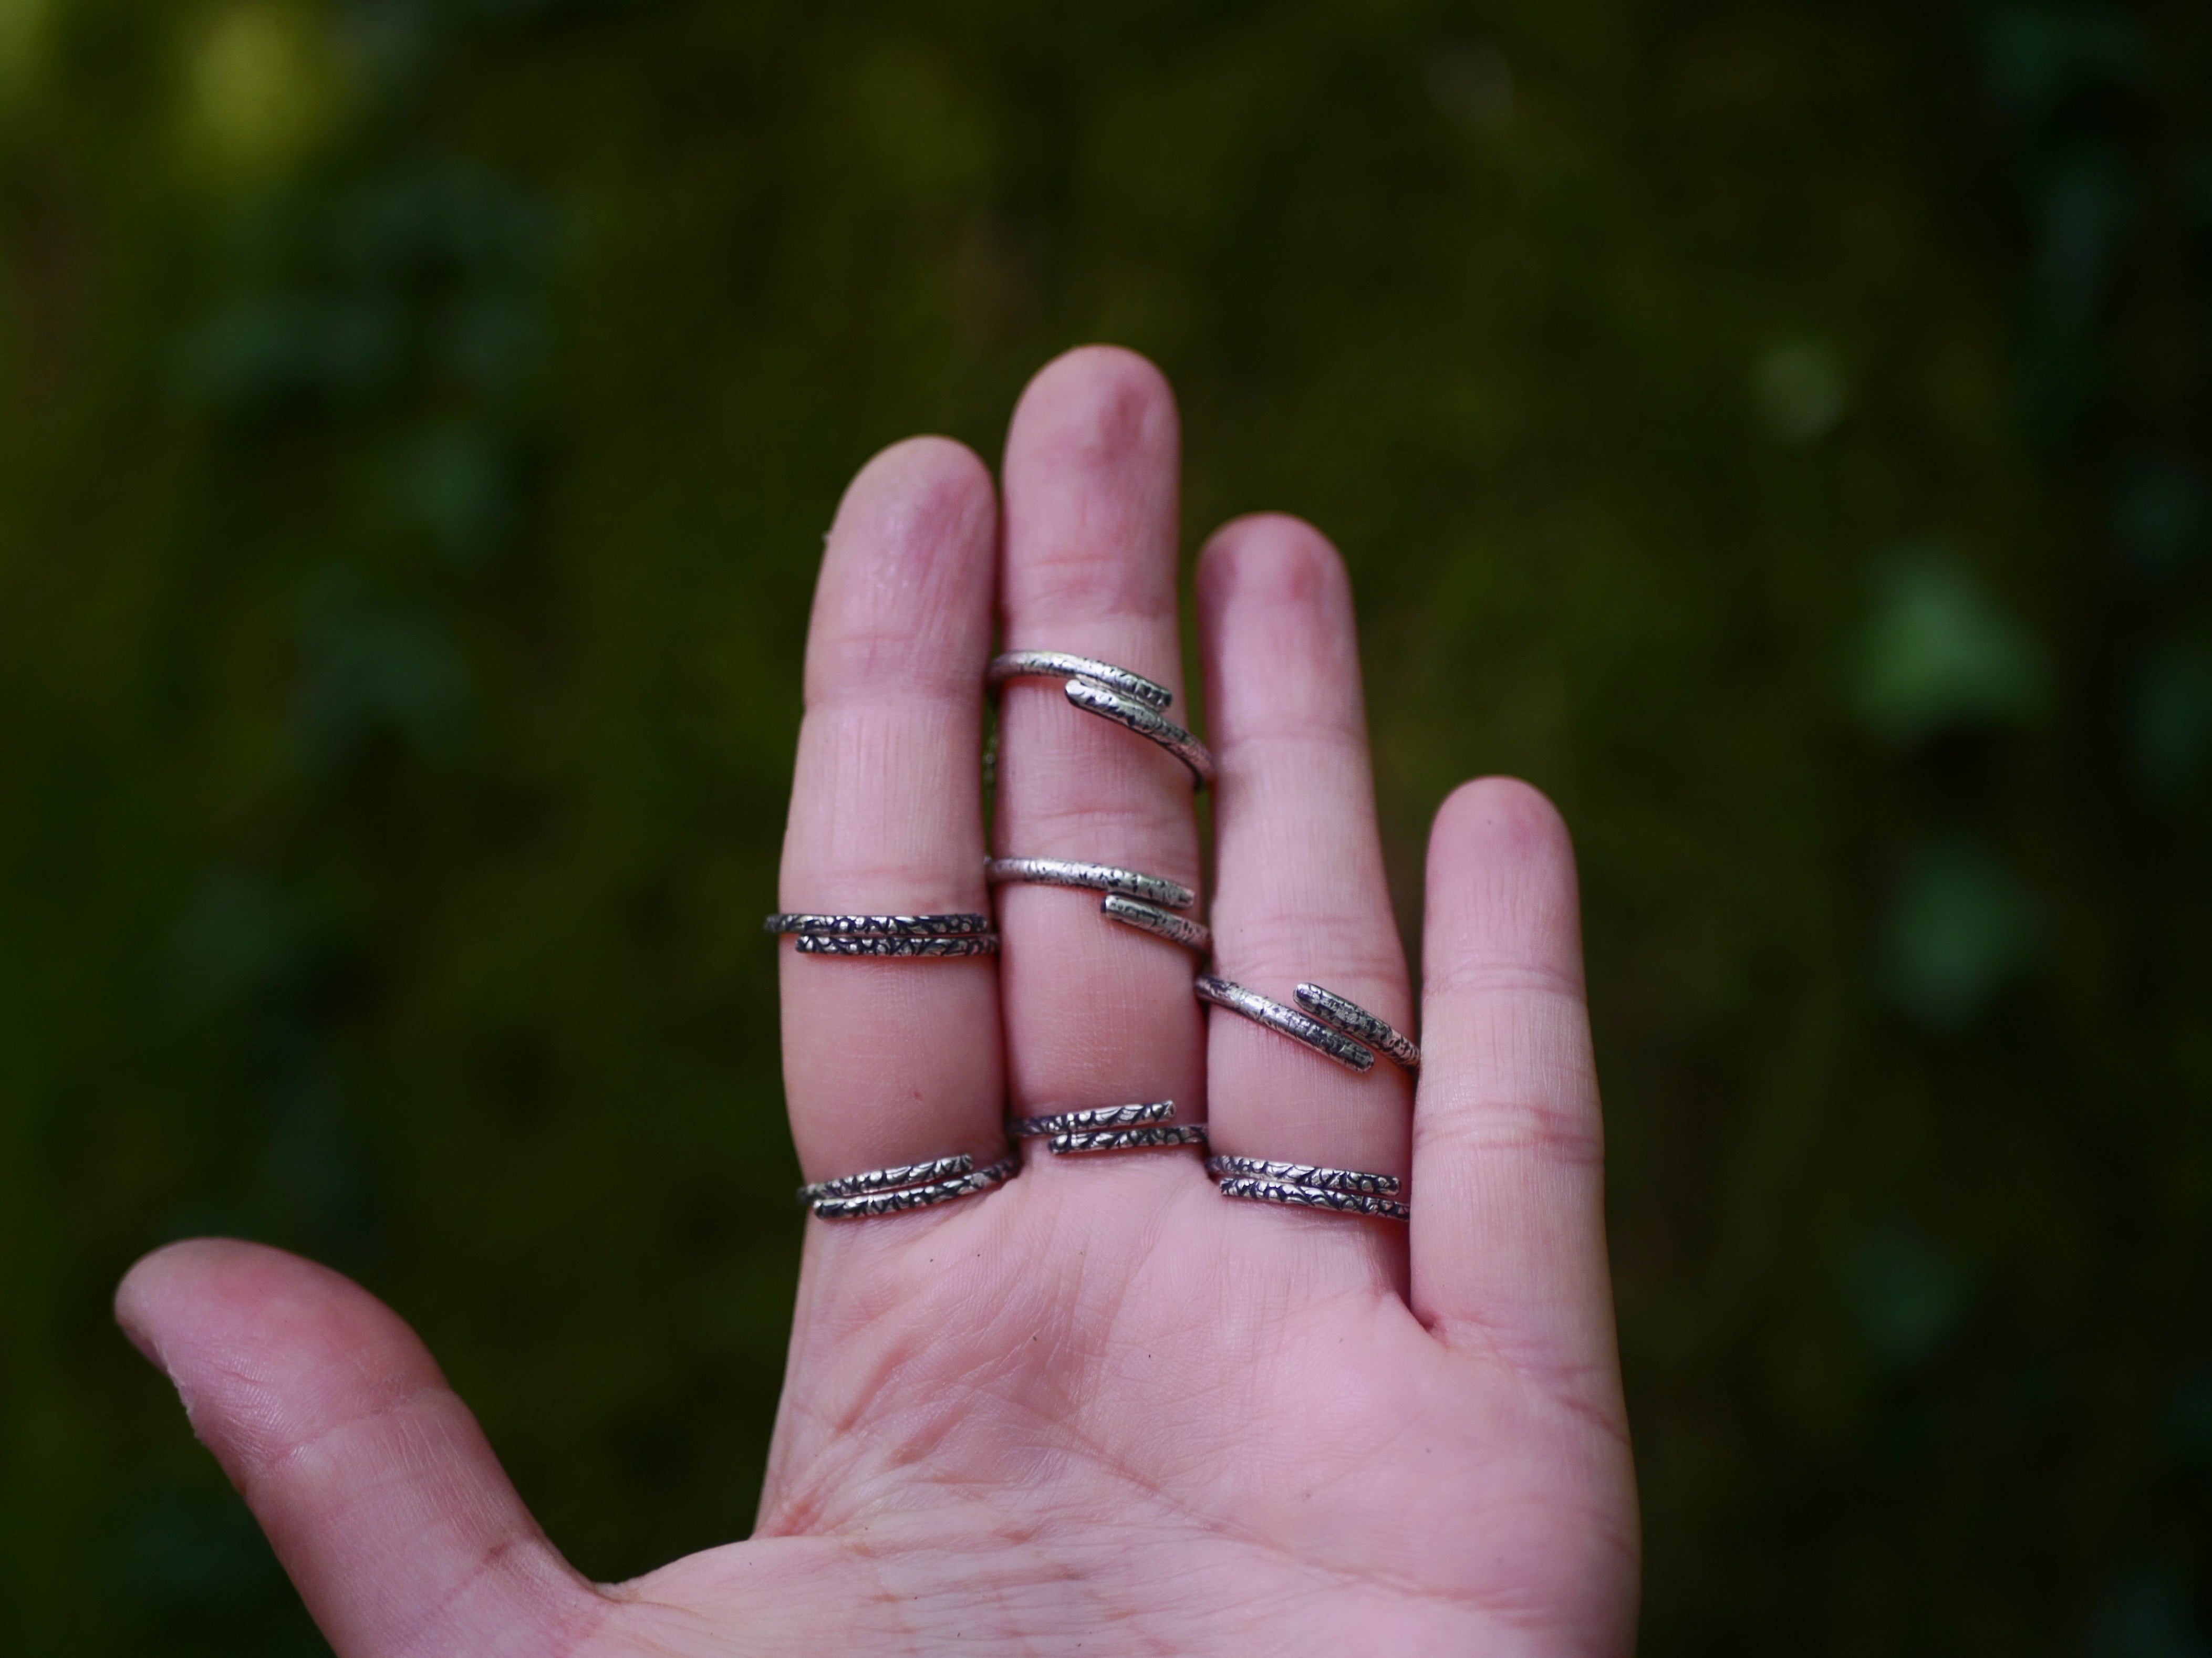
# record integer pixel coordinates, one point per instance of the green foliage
(417, 421)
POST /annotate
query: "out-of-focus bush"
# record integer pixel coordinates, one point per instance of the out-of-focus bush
(1780, 433)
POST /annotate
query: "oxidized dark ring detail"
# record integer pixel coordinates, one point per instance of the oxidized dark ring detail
(1063, 665)
(1129, 1139)
(867, 1205)
(1096, 1116)
(1305, 1174)
(1356, 1022)
(1313, 1197)
(1160, 923)
(820, 944)
(954, 925)
(881, 1179)
(1285, 1021)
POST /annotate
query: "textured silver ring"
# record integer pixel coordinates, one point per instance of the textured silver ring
(1305, 1174)
(1160, 923)
(867, 1205)
(1096, 878)
(1129, 700)
(956, 924)
(1286, 1021)
(1063, 665)
(1356, 1022)
(824, 943)
(1096, 1116)
(1129, 1139)
(1147, 721)
(1313, 1197)
(881, 1179)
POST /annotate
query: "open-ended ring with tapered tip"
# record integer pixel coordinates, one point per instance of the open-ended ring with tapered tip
(1313, 1197)
(1095, 877)
(1064, 664)
(864, 1196)
(1160, 923)
(1285, 1021)
(1129, 700)
(1356, 1022)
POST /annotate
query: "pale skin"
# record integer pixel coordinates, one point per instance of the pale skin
(1101, 1409)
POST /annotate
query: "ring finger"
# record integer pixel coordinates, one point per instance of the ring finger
(1302, 897)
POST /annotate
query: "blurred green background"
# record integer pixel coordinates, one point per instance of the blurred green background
(1778, 431)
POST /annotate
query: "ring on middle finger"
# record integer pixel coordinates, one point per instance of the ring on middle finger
(1145, 902)
(1129, 700)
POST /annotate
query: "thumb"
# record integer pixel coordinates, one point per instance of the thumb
(373, 1482)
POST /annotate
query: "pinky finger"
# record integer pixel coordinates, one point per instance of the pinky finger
(1509, 1227)
(373, 1482)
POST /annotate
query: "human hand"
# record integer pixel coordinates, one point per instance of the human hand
(1099, 1408)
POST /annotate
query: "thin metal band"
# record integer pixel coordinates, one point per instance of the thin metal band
(1313, 1197)
(867, 1205)
(956, 923)
(820, 944)
(881, 1179)
(1356, 1021)
(1288, 1021)
(1304, 1174)
(1129, 1139)
(1147, 722)
(1061, 664)
(1096, 1116)
(1160, 923)
(1096, 878)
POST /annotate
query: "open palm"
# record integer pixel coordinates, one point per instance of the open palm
(1099, 1408)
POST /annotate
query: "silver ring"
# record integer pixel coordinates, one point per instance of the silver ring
(1146, 721)
(1096, 1116)
(1287, 1021)
(1313, 1197)
(957, 924)
(1318, 1175)
(1096, 877)
(866, 1204)
(1062, 664)
(1129, 1139)
(881, 1179)
(824, 943)
(1356, 1021)
(1160, 923)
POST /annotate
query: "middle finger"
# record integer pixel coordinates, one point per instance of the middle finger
(1096, 1013)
